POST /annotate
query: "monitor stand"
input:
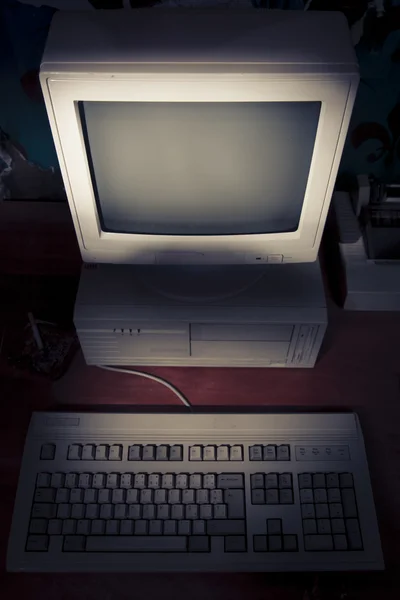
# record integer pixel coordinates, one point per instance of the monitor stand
(263, 316)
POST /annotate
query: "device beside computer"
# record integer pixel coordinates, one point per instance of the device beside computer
(203, 146)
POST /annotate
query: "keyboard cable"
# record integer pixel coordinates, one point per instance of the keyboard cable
(156, 378)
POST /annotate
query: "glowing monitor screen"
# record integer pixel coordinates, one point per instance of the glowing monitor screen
(199, 168)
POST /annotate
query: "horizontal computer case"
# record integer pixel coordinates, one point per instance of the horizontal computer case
(277, 321)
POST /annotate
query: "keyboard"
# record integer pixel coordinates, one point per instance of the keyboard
(194, 492)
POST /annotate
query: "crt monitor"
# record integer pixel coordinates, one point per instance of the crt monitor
(199, 138)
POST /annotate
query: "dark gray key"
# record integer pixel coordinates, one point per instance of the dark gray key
(43, 480)
(82, 527)
(149, 452)
(163, 512)
(309, 526)
(308, 511)
(283, 452)
(118, 496)
(335, 511)
(71, 480)
(160, 496)
(146, 497)
(319, 480)
(323, 526)
(354, 534)
(260, 543)
(90, 496)
(192, 511)
(149, 511)
(188, 496)
(57, 480)
(92, 511)
(170, 527)
(220, 511)
(195, 481)
(176, 453)
(155, 527)
(206, 511)
(285, 497)
(272, 496)
(135, 452)
(47, 452)
(322, 511)
(112, 527)
(62, 495)
(135, 511)
(306, 496)
(126, 527)
(313, 543)
(199, 527)
(135, 543)
(38, 526)
(101, 452)
(78, 511)
(320, 496)
(121, 511)
(226, 527)
(210, 481)
(174, 496)
(85, 480)
(338, 526)
(216, 496)
(334, 495)
(274, 526)
(141, 527)
(275, 543)
(88, 452)
(256, 452)
(332, 480)
(269, 452)
(230, 481)
(235, 543)
(106, 511)
(198, 543)
(74, 452)
(223, 452)
(132, 496)
(76, 496)
(271, 480)
(236, 453)
(63, 511)
(285, 480)
(37, 543)
(98, 527)
(177, 512)
(290, 543)
(184, 527)
(235, 501)
(140, 481)
(126, 481)
(202, 497)
(349, 503)
(45, 495)
(167, 481)
(346, 480)
(182, 481)
(112, 480)
(305, 480)
(99, 480)
(162, 452)
(69, 526)
(257, 481)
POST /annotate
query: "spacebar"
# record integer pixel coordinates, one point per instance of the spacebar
(114, 543)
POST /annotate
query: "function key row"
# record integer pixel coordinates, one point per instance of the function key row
(213, 453)
(136, 452)
(269, 452)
